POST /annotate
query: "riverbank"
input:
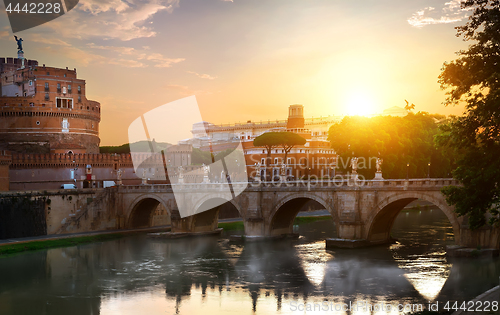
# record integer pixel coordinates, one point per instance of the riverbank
(13, 246)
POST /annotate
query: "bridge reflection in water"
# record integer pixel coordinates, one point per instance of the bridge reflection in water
(213, 275)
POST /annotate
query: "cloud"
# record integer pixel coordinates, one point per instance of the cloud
(48, 41)
(184, 90)
(203, 76)
(127, 63)
(162, 61)
(83, 57)
(450, 13)
(4, 34)
(159, 60)
(117, 49)
(111, 19)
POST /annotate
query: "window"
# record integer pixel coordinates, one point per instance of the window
(46, 86)
(32, 104)
(69, 88)
(263, 161)
(48, 73)
(46, 96)
(288, 161)
(59, 87)
(30, 83)
(64, 102)
(65, 75)
(79, 89)
(79, 100)
(43, 105)
(275, 160)
(38, 123)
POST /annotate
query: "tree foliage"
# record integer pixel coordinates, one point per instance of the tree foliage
(271, 140)
(474, 79)
(397, 140)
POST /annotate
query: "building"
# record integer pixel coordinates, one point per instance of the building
(315, 158)
(45, 109)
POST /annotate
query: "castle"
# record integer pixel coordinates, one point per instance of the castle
(45, 110)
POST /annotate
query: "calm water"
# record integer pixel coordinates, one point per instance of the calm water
(137, 275)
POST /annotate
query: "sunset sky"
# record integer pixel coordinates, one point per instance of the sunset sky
(249, 59)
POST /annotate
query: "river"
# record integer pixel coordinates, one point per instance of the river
(213, 275)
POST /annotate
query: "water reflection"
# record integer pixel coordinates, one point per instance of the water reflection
(212, 275)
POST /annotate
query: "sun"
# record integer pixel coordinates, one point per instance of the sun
(360, 104)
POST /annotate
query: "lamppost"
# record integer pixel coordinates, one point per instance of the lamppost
(429, 170)
(407, 170)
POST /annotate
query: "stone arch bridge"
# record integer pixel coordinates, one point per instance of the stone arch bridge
(364, 213)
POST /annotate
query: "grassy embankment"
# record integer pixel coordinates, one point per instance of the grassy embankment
(60, 242)
(231, 226)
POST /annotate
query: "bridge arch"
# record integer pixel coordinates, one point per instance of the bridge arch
(383, 215)
(207, 220)
(140, 212)
(285, 211)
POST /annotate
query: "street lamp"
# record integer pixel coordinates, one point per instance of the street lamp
(407, 170)
(429, 170)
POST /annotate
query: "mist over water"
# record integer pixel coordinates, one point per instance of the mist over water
(212, 275)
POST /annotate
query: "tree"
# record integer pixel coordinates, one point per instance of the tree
(289, 140)
(474, 79)
(271, 140)
(398, 140)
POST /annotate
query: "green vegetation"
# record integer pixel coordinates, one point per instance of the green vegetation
(59, 242)
(474, 138)
(232, 226)
(199, 157)
(140, 146)
(300, 220)
(397, 140)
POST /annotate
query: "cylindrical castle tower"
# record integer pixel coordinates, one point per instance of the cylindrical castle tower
(44, 109)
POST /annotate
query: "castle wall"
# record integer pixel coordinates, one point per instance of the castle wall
(5, 161)
(50, 171)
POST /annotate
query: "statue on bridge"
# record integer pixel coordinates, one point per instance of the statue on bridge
(206, 170)
(283, 169)
(379, 165)
(257, 167)
(119, 177)
(180, 178)
(378, 174)
(354, 165)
